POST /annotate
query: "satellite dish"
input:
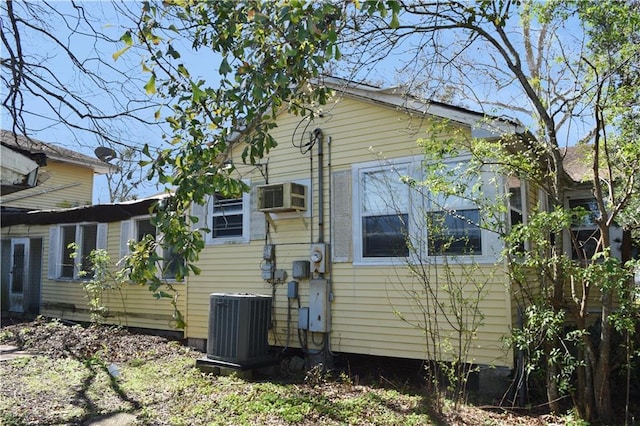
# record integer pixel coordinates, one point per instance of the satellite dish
(105, 154)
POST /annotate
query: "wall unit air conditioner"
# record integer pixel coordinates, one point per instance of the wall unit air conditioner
(282, 197)
(238, 327)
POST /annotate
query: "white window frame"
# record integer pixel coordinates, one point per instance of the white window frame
(457, 203)
(568, 240)
(615, 232)
(523, 201)
(129, 231)
(491, 244)
(411, 164)
(524, 208)
(57, 249)
(246, 221)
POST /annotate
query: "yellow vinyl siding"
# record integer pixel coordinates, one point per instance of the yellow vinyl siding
(366, 313)
(362, 318)
(66, 299)
(226, 268)
(69, 185)
(134, 305)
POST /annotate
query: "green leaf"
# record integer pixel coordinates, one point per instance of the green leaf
(127, 38)
(150, 87)
(225, 68)
(172, 52)
(197, 93)
(119, 53)
(183, 70)
(395, 22)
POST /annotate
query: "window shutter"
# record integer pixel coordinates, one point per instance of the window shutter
(257, 226)
(54, 255)
(101, 236)
(202, 213)
(126, 227)
(341, 229)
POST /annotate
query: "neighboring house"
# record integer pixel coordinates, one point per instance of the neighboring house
(105, 226)
(65, 177)
(52, 177)
(579, 168)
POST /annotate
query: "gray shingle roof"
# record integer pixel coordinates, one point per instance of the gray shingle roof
(577, 162)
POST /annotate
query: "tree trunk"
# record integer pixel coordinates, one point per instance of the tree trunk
(553, 394)
(588, 390)
(602, 373)
(602, 370)
(557, 295)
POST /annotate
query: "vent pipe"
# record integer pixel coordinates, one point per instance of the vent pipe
(317, 134)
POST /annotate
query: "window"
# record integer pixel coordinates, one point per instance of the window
(393, 222)
(87, 237)
(517, 206)
(452, 221)
(454, 232)
(384, 212)
(585, 235)
(68, 264)
(144, 228)
(227, 217)
(171, 259)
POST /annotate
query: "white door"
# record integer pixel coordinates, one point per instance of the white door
(18, 273)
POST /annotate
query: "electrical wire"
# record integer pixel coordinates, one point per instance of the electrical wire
(288, 325)
(303, 147)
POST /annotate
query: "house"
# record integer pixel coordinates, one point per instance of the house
(322, 232)
(36, 176)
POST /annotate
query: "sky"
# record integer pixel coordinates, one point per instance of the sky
(126, 79)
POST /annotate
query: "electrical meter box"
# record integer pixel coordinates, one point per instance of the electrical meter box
(269, 252)
(319, 261)
(292, 289)
(267, 271)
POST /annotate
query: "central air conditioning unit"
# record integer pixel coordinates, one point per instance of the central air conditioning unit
(282, 197)
(238, 327)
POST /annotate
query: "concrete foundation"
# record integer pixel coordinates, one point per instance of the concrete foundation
(197, 344)
(264, 366)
